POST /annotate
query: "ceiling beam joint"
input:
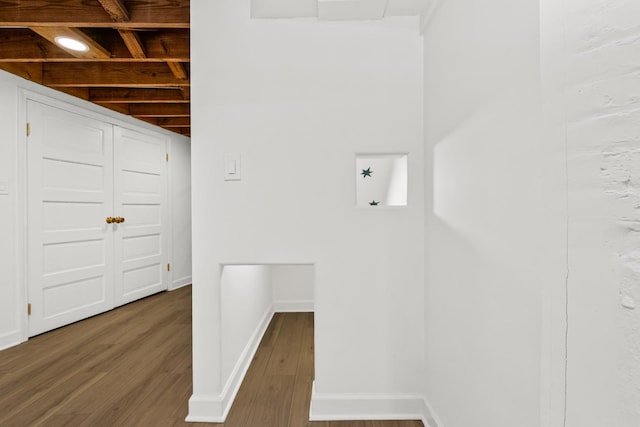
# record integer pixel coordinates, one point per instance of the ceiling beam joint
(178, 70)
(133, 43)
(116, 10)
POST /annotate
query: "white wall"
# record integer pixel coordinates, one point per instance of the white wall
(245, 292)
(590, 57)
(292, 287)
(297, 100)
(180, 173)
(12, 228)
(485, 232)
(11, 300)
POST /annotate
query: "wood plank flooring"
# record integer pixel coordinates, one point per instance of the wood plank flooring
(132, 367)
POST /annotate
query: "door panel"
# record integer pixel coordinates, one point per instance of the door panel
(63, 299)
(141, 199)
(70, 193)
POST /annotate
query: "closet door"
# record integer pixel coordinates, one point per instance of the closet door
(141, 202)
(70, 194)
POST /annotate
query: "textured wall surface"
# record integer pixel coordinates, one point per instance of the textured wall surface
(586, 220)
(602, 99)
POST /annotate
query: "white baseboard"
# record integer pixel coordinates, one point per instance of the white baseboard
(430, 418)
(205, 409)
(293, 306)
(324, 407)
(179, 283)
(244, 361)
(10, 339)
(346, 407)
(215, 408)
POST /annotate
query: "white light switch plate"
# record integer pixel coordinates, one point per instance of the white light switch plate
(232, 167)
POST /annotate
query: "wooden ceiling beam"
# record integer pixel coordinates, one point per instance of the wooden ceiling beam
(172, 45)
(181, 131)
(133, 43)
(109, 74)
(116, 10)
(22, 45)
(95, 50)
(172, 122)
(178, 70)
(120, 108)
(135, 96)
(119, 13)
(160, 110)
(26, 70)
(78, 92)
(82, 13)
(123, 71)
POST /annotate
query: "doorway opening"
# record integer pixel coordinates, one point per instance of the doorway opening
(250, 296)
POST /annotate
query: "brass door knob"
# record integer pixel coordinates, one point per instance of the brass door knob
(118, 219)
(110, 220)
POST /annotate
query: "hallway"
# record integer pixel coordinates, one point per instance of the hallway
(132, 367)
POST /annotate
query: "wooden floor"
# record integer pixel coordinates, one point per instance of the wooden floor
(132, 367)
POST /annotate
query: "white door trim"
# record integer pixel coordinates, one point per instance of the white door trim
(21, 214)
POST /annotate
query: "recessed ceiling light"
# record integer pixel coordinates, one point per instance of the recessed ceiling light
(72, 44)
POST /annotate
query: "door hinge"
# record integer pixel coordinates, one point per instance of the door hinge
(167, 157)
(28, 129)
(168, 267)
(29, 309)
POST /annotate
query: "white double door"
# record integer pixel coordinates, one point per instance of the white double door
(80, 173)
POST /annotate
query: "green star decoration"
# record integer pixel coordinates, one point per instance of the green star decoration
(373, 203)
(366, 172)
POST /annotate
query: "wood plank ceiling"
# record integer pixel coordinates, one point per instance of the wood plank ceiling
(137, 62)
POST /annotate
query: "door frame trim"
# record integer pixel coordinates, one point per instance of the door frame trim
(21, 213)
